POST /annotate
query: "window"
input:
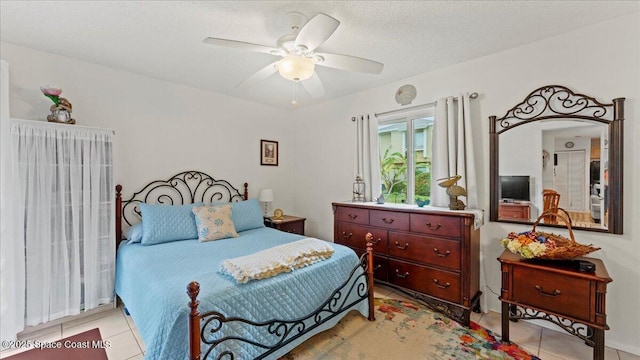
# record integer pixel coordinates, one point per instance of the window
(405, 157)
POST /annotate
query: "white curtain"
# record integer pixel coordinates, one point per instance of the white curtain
(367, 161)
(11, 251)
(63, 197)
(453, 150)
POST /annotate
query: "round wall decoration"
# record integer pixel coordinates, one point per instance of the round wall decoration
(569, 144)
(405, 94)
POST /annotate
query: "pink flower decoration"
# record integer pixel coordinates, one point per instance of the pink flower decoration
(47, 90)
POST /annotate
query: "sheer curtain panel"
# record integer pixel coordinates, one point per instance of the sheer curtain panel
(64, 198)
(11, 251)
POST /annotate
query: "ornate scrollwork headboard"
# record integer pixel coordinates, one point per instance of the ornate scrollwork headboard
(183, 188)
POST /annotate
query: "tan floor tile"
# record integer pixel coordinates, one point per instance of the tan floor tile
(123, 346)
(136, 333)
(95, 315)
(569, 347)
(521, 332)
(137, 357)
(111, 324)
(382, 291)
(31, 334)
(475, 317)
(626, 356)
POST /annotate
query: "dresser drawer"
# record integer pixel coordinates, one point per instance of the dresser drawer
(296, 227)
(436, 225)
(389, 219)
(354, 236)
(437, 283)
(552, 291)
(431, 251)
(352, 215)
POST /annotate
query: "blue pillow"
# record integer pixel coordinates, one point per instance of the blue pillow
(134, 234)
(247, 215)
(165, 223)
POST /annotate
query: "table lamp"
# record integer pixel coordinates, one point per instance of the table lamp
(265, 196)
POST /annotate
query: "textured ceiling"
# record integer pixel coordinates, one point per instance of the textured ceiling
(163, 39)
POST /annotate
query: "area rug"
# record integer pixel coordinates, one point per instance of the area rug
(405, 330)
(84, 346)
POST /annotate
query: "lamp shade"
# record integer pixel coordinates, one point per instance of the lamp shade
(295, 68)
(266, 195)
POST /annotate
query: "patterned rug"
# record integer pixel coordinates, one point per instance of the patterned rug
(404, 330)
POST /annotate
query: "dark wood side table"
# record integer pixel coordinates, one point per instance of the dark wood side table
(555, 291)
(292, 224)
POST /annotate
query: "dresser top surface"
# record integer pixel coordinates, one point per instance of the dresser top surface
(412, 208)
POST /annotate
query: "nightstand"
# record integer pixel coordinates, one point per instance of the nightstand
(555, 291)
(291, 224)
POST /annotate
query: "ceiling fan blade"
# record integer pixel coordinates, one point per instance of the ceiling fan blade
(313, 86)
(316, 31)
(262, 74)
(242, 45)
(350, 63)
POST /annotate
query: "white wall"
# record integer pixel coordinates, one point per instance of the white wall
(161, 128)
(601, 60)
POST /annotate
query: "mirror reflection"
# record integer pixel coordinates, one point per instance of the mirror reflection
(564, 164)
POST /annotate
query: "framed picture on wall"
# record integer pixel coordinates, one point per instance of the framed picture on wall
(268, 152)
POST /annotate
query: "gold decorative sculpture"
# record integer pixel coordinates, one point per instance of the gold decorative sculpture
(453, 191)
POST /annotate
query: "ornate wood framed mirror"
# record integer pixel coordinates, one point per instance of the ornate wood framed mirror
(558, 141)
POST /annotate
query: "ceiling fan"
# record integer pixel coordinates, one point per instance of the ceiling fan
(298, 53)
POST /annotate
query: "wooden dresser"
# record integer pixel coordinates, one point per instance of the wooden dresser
(516, 211)
(557, 292)
(433, 255)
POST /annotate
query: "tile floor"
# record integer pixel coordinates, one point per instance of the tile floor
(126, 343)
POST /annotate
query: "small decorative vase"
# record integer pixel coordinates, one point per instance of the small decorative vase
(422, 203)
(380, 199)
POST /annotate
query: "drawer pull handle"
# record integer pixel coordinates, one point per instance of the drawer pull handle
(346, 236)
(441, 286)
(438, 253)
(388, 221)
(403, 276)
(543, 293)
(433, 227)
(376, 241)
(377, 267)
(402, 247)
(352, 216)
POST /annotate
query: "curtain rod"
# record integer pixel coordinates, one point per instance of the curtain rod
(473, 95)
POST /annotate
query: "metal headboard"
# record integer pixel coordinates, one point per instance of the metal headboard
(183, 188)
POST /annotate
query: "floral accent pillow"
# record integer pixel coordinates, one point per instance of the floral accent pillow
(214, 222)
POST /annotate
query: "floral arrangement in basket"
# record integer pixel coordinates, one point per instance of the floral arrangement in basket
(542, 245)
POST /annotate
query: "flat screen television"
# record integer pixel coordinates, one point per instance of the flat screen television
(514, 188)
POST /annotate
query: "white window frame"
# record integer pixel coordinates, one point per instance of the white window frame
(407, 118)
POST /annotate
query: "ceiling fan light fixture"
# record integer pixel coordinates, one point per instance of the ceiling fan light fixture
(296, 68)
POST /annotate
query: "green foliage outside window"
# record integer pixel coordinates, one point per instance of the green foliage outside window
(393, 168)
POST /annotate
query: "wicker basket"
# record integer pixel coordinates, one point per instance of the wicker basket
(565, 248)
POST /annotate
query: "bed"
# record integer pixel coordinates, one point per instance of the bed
(220, 318)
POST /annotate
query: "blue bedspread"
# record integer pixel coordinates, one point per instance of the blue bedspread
(152, 280)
